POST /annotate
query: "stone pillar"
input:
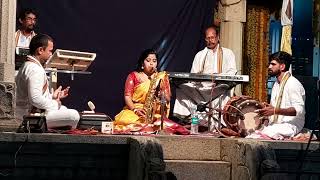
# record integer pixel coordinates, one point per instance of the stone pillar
(233, 15)
(7, 55)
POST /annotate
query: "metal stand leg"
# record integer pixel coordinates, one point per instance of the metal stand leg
(163, 110)
(213, 126)
(219, 118)
(210, 116)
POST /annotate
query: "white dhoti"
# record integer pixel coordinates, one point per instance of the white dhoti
(55, 118)
(189, 95)
(278, 130)
(62, 117)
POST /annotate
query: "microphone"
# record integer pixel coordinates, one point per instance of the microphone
(91, 106)
(201, 107)
(217, 91)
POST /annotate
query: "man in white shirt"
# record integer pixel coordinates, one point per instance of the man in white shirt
(213, 59)
(286, 110)
(27, 20)
(33, 93)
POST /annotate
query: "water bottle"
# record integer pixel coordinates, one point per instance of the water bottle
(194, 121)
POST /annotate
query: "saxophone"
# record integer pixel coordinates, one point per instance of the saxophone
(148, 106)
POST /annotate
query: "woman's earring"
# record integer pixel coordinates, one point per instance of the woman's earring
(142, 67)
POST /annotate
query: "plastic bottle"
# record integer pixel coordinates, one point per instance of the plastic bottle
(194, 121)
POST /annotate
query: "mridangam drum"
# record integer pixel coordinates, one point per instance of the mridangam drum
(240, 116)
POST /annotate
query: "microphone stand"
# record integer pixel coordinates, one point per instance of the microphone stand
(217, 92)
(210, 115)
(219, 122)
(163, 103)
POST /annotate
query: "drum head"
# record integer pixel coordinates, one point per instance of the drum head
(239, 115)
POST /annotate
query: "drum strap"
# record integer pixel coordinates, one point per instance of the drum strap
(279, 96)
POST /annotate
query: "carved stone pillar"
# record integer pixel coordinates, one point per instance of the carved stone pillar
(233, 14)
(7, 46)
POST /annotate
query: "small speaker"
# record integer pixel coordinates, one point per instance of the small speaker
(312, 108)
(33, 124)
(92, 120)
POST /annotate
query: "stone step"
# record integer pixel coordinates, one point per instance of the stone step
(204, 170)
(177, 147)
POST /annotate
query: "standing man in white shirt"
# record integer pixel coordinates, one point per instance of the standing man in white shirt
(33, 93)
(213, 59)
(286, 110)
(27, 20)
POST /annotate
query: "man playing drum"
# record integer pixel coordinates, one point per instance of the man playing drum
(286, 110)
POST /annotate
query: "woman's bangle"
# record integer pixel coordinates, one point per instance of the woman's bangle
(135, 110)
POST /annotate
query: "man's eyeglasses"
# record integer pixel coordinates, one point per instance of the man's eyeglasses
(31, 19)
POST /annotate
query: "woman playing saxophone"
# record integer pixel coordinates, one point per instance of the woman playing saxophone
(142, 89)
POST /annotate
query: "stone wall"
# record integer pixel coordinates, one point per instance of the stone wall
(63, 161)
(82, 157)
(7, 103)
(7, 53)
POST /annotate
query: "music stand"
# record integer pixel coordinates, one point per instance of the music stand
(69, 62)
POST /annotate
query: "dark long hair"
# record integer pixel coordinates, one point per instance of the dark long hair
(143, 56)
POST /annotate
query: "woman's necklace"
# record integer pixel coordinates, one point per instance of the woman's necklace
(148, 76)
